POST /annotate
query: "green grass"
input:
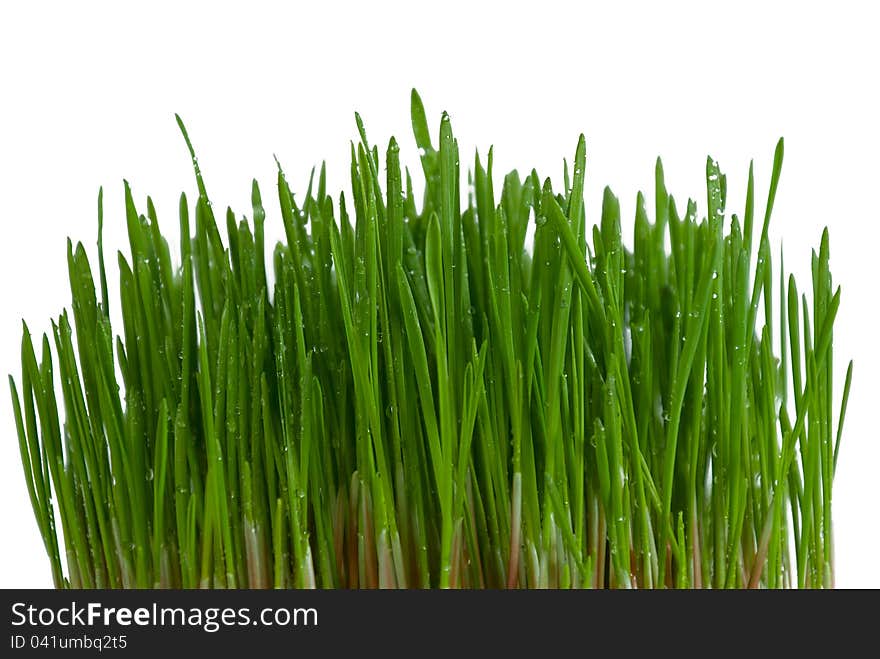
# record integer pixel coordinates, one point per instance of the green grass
(417, 394)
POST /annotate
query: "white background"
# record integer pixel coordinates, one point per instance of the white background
(88, 92)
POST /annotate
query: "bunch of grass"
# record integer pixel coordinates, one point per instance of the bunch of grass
(426, 395)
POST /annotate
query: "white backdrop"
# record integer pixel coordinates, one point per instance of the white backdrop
(88, 92)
